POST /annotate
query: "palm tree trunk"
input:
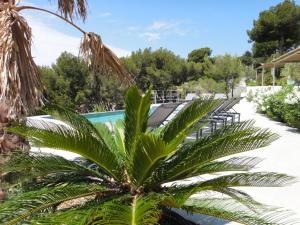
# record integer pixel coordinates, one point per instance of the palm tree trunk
(8, 143)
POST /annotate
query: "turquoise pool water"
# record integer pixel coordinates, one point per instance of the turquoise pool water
(105, 116)
(108, 116)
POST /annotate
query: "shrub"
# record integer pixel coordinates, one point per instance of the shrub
(283, 106)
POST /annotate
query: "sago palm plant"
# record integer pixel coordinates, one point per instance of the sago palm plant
(134, 175)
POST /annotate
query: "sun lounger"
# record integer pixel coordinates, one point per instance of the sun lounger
(161, 113)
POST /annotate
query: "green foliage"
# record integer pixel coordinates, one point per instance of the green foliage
(160, 69)
(122, 179)
(203, 85)
(227, 68)
(276, 29)
(199, 55)
(247, 58)
(56, 87)
(283, 106)
(69, 83)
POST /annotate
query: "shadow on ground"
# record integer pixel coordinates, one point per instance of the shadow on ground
(202, 219)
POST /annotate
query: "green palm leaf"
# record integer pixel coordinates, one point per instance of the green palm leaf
(39, 170)
(73, 119)
(231, 210)
(120, 137)
(259, 179)
(78, 216)
(180, 127)
(141, 210)
(233, 180)
(150, 151)
(51, 135)
(110, 141)
(227, 141)
(136, 116)
(29, 203)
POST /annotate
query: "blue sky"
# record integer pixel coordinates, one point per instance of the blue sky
(179, 25)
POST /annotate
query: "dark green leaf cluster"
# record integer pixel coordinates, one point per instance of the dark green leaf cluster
(276, 29)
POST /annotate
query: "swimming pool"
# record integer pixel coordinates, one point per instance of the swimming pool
(105, 116)
(99, 117)
(112, 116)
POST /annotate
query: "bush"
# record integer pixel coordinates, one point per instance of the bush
(283, 106)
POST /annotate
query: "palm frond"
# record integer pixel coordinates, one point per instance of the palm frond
(119, 136)
(240, 197)
(73, 119)
(79, 122)
(73, 8)
(47, 169)
(78, 216)
(23, 206)
(231, 210)
(141, 210)
(48, 134)
(232, 139)
(234, 180)
(109, 140)
(86, 213)
(258, 179)
(100, 58)
(233, 164)
(180, 127)
(150, 151)
(136, 116)
(20, 83)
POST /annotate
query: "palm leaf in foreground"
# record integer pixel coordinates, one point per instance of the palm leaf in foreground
(124, 181)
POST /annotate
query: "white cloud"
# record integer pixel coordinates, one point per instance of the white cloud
(159, 29)
(105, 14)
(157, 25)
(151, 36)
(49, 43)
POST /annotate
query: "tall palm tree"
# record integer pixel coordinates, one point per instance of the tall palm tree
(21, 89)
(137, 176)
(20, 83)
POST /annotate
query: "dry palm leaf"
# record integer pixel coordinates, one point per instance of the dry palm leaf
(100, 58)
(71, 8)
(20, 84)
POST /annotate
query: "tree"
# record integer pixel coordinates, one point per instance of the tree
(56, 87)
(199, 55)
(161, 69)
(69, 83)
(247, 59)
(121, 178)
(229, 69)
(276, 29)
